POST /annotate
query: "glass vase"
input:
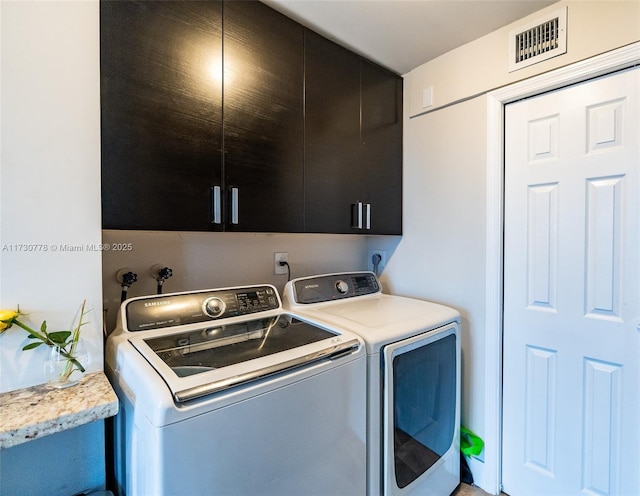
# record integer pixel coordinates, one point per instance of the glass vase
(64, 367)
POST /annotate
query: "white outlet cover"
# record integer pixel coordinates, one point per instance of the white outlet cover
(280, 256)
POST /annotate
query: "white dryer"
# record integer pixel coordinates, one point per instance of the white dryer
(413, 378)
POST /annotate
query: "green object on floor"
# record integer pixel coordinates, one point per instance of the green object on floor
(470, 443)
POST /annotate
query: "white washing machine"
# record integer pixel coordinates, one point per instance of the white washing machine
(413, 377)
(223, 393)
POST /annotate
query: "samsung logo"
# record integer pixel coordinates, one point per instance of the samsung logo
(311, 286)
(157, 303)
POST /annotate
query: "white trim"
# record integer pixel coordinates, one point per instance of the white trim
(493, 302)
(580, 71)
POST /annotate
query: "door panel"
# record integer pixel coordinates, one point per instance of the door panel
(161, 109)
(421, 414)
(381, 163)
(331, 135)
(263, 117)
(571, 290)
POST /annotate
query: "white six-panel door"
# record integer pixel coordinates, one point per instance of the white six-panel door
(571, 365)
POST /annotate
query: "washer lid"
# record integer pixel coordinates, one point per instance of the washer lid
(202, 361)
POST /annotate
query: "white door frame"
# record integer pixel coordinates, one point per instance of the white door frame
(621, 58)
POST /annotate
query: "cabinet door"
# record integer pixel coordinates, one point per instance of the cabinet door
(161, 96)
(381, 166)
(332, 135)
(263, 117)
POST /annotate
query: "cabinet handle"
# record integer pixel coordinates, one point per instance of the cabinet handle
(356, 215)
(214, 197)
(367, 216)
(234, 205)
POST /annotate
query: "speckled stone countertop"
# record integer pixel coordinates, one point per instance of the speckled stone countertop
(35, 412)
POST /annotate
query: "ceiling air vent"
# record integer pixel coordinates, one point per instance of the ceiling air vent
(539, 40)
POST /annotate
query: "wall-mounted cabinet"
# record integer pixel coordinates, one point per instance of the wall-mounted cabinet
(353, 142)
(161, 113)
(263, 117)
(332, 134)
(381, 148)
(230, 116)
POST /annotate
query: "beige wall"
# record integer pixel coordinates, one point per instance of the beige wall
(593, 27)
(216, 260)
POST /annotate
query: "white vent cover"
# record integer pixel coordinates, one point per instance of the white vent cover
(539, 40)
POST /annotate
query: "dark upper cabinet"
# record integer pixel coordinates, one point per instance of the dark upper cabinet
(263, 118)
(353, 142)
(332, 135)
(381, 138)
(230, 116)
(161, 99)
(169, 159)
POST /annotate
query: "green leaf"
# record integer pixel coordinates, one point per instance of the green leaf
(43, 327)
(59, 337)
(31, 346)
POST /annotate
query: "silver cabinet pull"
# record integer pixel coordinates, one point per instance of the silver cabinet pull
(234, 205)
(216, 211)
(356, 215)
(361, 216)
(367, 216)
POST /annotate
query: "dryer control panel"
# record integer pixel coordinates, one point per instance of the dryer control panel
(333, 287)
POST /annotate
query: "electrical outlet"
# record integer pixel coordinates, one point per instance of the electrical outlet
(280, 256)
(381, 264)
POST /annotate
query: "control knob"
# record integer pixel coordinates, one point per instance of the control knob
(342, 287)
(214, 306)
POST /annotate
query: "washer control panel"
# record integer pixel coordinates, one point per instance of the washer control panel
(156, 312)
(332, 287)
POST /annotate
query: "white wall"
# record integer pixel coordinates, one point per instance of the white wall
(442, 253)
(50, 195)
(50, 192)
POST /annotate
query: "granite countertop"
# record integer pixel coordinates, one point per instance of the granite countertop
(35, 412)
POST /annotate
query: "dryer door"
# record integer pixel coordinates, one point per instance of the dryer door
(421, 414)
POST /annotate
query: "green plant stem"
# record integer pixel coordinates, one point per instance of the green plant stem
(41, 337)
(68, 370)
